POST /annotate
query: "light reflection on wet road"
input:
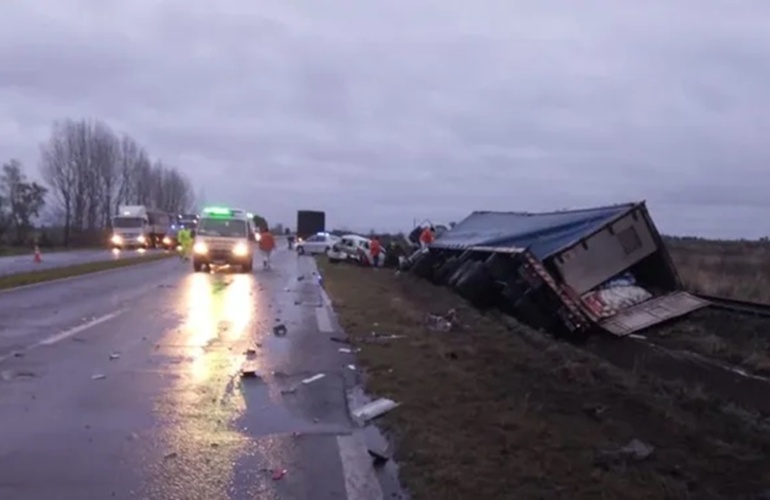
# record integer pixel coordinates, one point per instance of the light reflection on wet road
(14, 264)
(172, 418)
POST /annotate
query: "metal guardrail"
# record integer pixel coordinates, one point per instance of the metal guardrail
(739, 306)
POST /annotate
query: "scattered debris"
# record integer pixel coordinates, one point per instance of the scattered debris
(379, 457)
(297, 302)
(114, 356)
(279, 330)
(250, 351)
(300, 278)
(170, 456)
(99, 376)
(290, 390)
(18, 354)
(352, 367)
(340, 340)
(312, 379)
(278, 474)
(375, 409)
(345, 350)
(441, 323)
(635, 451)
(25, 374)
(249, 372)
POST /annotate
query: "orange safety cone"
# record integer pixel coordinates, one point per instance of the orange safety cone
(38, 258)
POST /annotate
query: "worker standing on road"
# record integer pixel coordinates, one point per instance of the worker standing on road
(266, 246)
(376, 250)
(185, 241)
(427, 236)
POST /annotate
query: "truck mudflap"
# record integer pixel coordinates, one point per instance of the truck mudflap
(652, 312)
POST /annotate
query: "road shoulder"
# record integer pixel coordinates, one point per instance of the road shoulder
(490, 411)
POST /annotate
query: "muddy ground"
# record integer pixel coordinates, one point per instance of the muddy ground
(736, 339)
(496, 410)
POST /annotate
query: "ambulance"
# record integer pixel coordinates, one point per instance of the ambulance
(224, 236)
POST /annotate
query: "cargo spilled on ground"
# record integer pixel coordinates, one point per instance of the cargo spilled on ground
(493, 408)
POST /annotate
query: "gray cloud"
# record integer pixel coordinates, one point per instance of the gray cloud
(379, 112)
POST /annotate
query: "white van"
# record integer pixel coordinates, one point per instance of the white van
(224, 236)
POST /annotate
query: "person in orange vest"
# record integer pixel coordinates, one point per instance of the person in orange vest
(266, 246)
(427, 236)
(376, 249)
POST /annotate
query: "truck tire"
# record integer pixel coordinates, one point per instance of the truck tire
(423, 265)
(445, 270)
(459, 273)
(476, 285)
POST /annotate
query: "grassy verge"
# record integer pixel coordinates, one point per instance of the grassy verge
(6, 251)
(494, 411)
(42, 275)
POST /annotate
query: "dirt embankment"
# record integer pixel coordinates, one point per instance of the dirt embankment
(493, 411)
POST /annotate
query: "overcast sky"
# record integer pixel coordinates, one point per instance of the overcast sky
(381, 111)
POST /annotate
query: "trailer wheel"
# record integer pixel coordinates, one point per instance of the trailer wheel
(447, 269)
(456, 276)
(477, 286)
(423, 265)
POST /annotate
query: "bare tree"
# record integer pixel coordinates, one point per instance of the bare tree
(91, 171)
(25, 199)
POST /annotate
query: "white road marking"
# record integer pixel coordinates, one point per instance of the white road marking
(360, 481)
(80, 328)
(324, 320)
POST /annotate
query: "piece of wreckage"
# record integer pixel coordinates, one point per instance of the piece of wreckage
(568, 272)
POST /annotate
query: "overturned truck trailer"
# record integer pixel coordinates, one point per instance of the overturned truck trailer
(569, 272)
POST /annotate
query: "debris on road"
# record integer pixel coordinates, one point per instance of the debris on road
(340, 340)
(114, 356)
(279, 330)
(171, 455)
(345, 350)
(278, 474)
(99, 376)
(300, 278)
(441, 323)
(352, 367)
(375, 409)
(314, 378)
(18, 354)
(249, 372)
(291, 390)
(634, 451)
(379, 457)
(251, 351)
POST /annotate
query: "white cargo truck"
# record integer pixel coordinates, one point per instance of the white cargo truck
(134, 226)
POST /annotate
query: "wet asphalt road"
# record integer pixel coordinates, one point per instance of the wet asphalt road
(14, 264)
(172, 418)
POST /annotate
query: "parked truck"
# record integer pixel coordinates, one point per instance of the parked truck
(310, 222)
(136, 226)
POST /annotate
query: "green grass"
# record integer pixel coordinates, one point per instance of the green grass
(43, 275)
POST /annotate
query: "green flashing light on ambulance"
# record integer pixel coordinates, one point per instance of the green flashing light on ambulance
(224, 236)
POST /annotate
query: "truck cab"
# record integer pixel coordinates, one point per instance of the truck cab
(130, 228)
(224, 236)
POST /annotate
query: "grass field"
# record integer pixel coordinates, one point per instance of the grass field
(497, 410)
(739, 270)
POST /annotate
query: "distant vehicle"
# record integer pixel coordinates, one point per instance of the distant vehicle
(134, 226)
(309, 223)
(224, 236)
(183, 221)
(316, 244)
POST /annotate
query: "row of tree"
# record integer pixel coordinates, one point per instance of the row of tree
(88, 170)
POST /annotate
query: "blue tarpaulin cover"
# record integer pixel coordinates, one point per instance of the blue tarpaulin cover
(543, 234)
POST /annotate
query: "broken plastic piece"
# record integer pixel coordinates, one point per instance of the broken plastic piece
(114, 355)
(278, 474)
(375, 409)
(345, 350)
(279, 330)
(99, 376)
(352, 367)
(312, 379)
